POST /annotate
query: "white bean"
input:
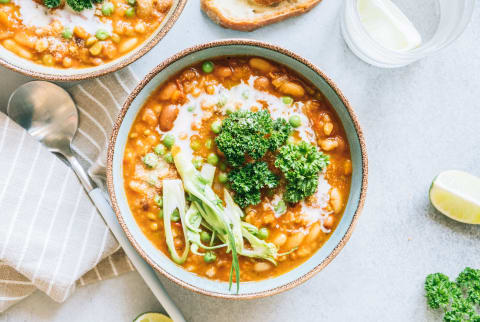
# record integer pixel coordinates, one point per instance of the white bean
(127, 45)
(261, 267)
(336, 200)
(295, 240)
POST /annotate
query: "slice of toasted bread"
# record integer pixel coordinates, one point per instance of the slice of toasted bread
(247, 15)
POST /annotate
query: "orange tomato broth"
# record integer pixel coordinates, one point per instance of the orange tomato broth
(46, 46)
(287, 231)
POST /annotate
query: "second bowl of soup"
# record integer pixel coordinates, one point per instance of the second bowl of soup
(78, 39)
(237, 169)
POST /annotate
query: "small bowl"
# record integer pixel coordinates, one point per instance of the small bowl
(29, 68)
(160, 261)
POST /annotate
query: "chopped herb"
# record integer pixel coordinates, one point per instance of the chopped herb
(301, 165)
(48, 3)
(251, 134)
(248, 181)
(460, 299)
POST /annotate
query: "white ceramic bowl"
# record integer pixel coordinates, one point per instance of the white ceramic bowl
(163, 263)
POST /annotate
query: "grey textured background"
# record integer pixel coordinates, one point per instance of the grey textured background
(418, 121)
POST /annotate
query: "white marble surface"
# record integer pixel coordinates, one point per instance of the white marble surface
(418, 121)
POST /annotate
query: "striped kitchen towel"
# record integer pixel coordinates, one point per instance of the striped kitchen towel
(51, 236)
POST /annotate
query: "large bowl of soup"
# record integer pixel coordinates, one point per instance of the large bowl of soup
(237, 169)
(68, 40)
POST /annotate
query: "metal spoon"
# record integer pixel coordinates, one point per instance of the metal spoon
(49, 114)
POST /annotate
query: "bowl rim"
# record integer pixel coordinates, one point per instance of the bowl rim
(118, 63)
(173, 59)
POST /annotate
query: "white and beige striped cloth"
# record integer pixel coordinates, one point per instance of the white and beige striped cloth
(51, 236)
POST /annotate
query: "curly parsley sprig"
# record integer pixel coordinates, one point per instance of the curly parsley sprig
(459, 299)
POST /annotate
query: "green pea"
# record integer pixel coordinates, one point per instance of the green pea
(160, 214)
(287, 100)
(295, 121)
(175, 216)
(222, 177)
(207, 67)
(130, 12)
(205, 237)
(195, 145)
(209, 257)
(159, 149)
(168, 157)
(158, 200)
(212, 159)
(67, 33)
(262, 233)
(102, 34)
(216, 126)
(107, 8)
(169, 140)
(208, 143)
(191, 108)
(197, 163)
(222, 166)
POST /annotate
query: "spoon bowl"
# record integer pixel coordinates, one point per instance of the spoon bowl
(47, 112)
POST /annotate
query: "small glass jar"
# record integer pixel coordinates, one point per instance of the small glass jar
(447, 19)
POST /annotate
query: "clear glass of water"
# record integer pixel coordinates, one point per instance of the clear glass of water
(439, 22)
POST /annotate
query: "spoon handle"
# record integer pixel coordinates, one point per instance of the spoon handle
(145, 270)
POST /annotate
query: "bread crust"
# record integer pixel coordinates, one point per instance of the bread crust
(248, 25)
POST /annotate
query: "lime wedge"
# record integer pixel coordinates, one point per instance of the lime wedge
(152, 317)
(456, 194)
(388, 25)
